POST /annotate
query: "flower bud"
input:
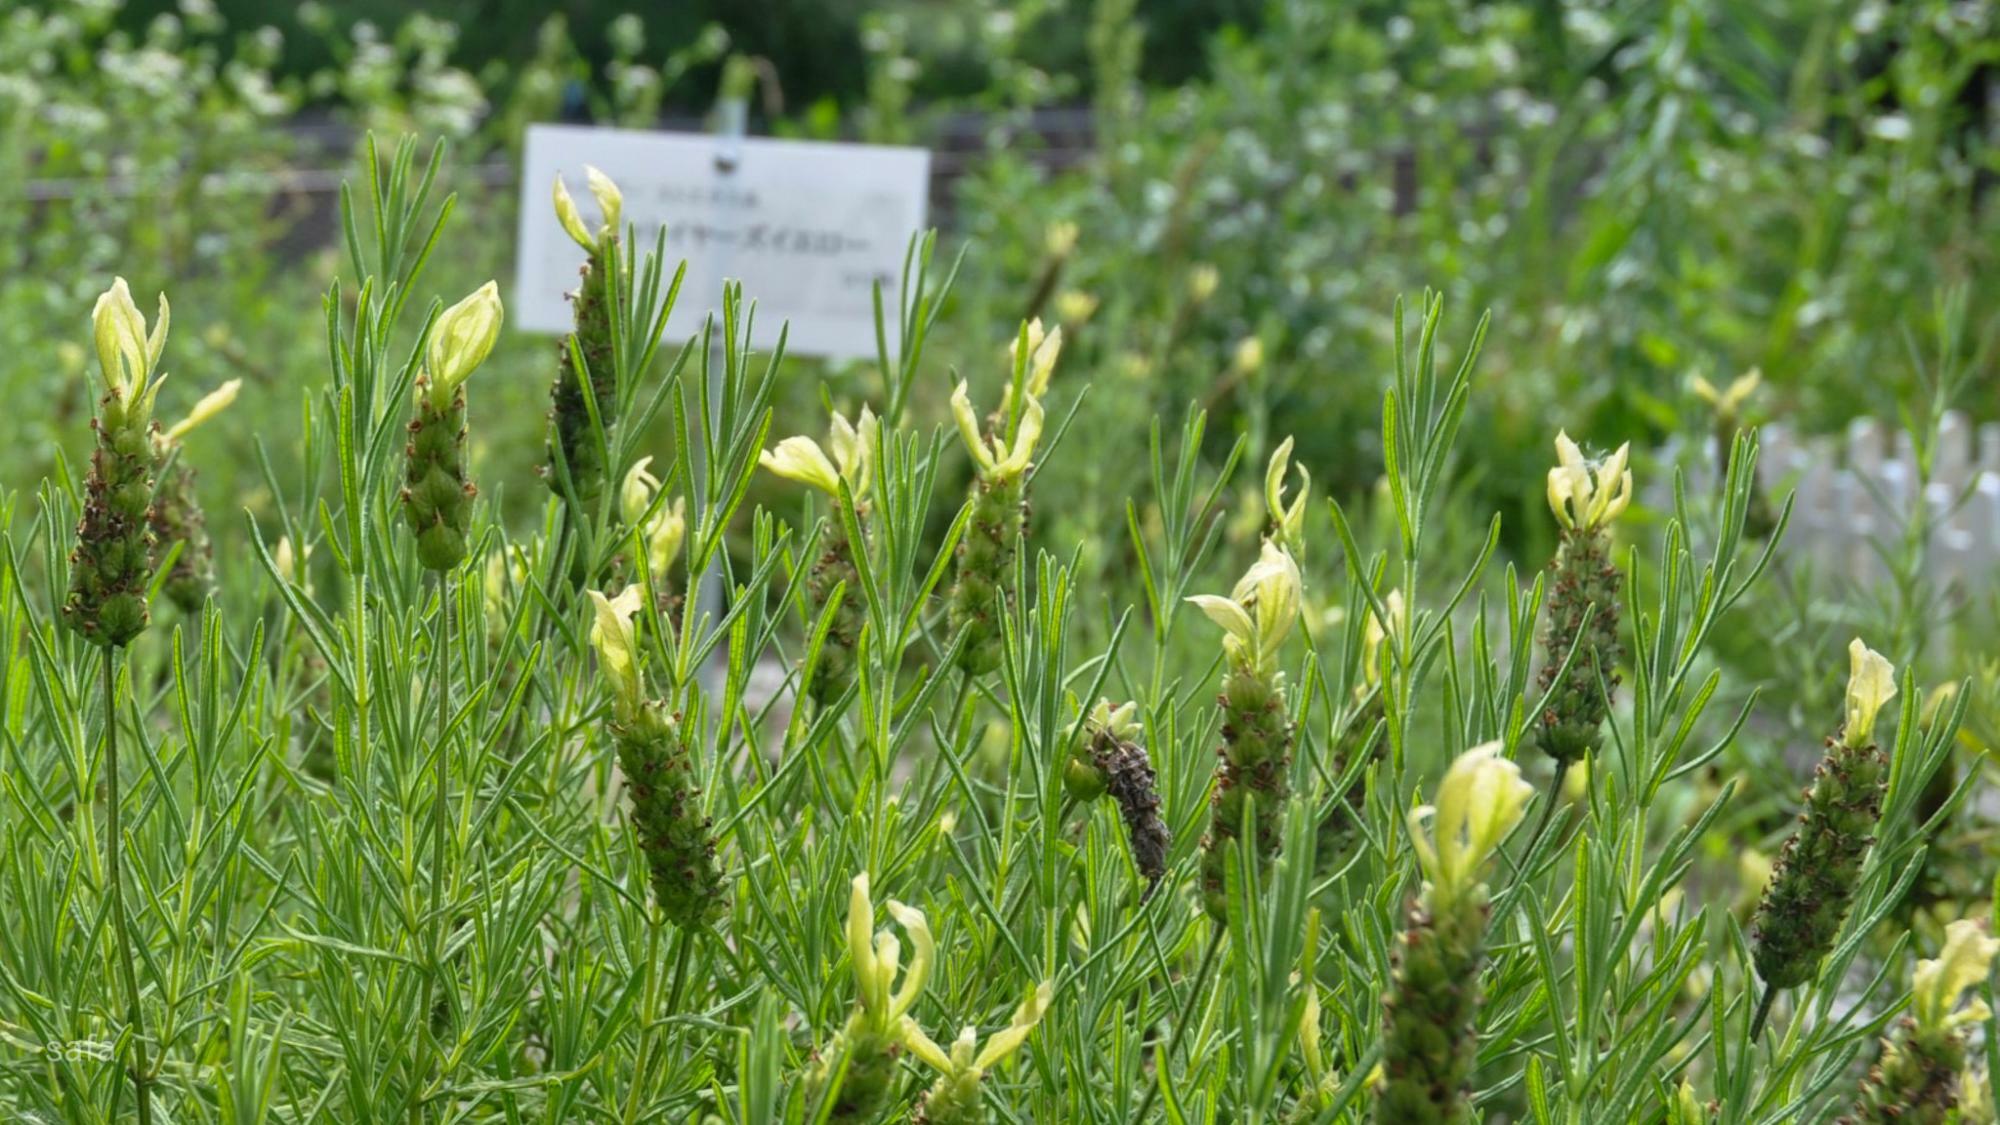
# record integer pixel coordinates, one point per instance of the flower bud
(1870, 684)
(461, 340)
(1288, 521)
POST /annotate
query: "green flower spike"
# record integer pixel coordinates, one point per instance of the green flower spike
(574, 452)
(658, 764)
(954, 1099)
(177, 517)
(437, 489)
(1922, 1077)
(1003, 457)
(852, 462)
(1813, 880)
(1583, 602)
(878, 1029)
(112, 564)
(1251, 783)
(1430, 1017)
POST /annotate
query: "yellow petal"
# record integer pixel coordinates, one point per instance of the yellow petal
(861, 932)
(610, 201)
(922, 1046)
(571, 220)
(462, 338)
(801, 459)
(1026, 437)
(922, 948)
(120, 334)
(1008, 1040)
(1227, 614)
(1871, 682)
(614, 637)
(968, 428)
(1965, 962)
(211, 404)
(635, 493)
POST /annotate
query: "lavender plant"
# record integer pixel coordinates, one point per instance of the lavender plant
(418, 843)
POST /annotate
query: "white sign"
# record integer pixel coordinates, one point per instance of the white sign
(809, 228)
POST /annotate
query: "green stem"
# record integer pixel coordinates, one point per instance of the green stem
(1763, 1011)
(1162, 1061)
(1549, 806)
(134, 1015)
(440, 813)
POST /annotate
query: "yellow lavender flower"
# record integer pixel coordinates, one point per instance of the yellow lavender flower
(1729, 401)
(1919, 1078)
(1003, 452)
(576, 462)
(1288, 520)
(849, 459)
(879, 1026)
(1813, 879)
(657, 529)
(111, 565)
(177, 519)
(954, 1099)
(1251, 783)
(1430, 1016)
(657, 760)
(1584, 592)
(437, 487)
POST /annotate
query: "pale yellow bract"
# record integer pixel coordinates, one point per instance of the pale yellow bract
(1871, 683)
(1480, 800)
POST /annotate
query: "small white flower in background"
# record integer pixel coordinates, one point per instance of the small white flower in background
(1871, 683)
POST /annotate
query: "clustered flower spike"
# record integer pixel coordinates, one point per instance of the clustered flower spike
(657, 529)
(610, 203)
(955, 1096)
(1871, 683)
(1288, 521)
(1121, 721)
(1259, 613)
(1964, 962)
(1375, 631)
(852, 444)
(211, 404)
(128, 354)
(461, 340)
(877, 957)
(615, 637)
(1586, 496)
(1480, 800)
(997, 458)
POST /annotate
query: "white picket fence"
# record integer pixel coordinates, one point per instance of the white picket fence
(1855, 495)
